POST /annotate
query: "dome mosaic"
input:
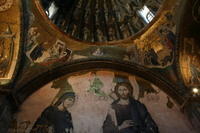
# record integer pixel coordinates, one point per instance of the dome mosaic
(101, 20)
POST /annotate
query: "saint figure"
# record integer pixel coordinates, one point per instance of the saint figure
(56, 118)
(128, 115)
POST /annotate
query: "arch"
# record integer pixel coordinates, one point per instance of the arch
(20, 94)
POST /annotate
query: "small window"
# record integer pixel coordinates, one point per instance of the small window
(146, 14)
(51, 10)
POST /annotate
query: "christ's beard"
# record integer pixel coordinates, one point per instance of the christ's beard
(124, 97)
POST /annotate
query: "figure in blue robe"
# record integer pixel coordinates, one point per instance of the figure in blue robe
(56, 118)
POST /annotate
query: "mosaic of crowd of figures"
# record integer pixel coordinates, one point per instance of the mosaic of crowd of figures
(99, 102)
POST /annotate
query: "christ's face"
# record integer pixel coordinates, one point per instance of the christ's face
(123, 92)
(68, 102)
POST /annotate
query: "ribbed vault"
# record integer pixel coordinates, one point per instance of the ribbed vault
(101, 20)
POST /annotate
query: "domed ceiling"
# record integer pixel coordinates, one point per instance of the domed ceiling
(101, 20)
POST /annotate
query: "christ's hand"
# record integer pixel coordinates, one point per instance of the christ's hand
(126, 124)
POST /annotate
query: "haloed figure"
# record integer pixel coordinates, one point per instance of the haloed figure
(56, 118)
(128, 115)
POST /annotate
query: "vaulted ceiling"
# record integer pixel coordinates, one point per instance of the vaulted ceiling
(101, 20)
(54, 33)
(41, 40)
